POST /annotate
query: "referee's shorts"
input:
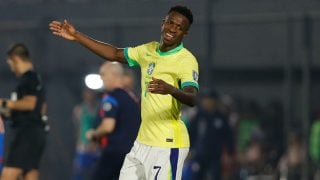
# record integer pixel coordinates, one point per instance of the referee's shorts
(24, 146)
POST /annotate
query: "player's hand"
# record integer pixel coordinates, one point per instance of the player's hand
(5, 112)
(1, 102)
(90, 134)
(158, 86)
(63, 29)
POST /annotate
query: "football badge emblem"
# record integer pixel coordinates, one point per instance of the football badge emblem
(151, 68)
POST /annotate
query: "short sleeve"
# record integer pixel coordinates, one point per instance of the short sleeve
(133, 55)
(110, 107)
(30, 86)
(189, 73)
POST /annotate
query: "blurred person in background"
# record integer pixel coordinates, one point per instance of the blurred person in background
(119, 120)
(128, 79)
(253, 161)
(26, 136)
(210, 133)
(249, 123)
(270, 135)
(84, 116)
(314, 145)
(291, 162)
(1, 142)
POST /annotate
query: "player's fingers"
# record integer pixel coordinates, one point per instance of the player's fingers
(153, 86)
(67, 23)
(153, 91)
(55, 26)
(57, 23)
(155, 79)
(55, 29)
(56, 33)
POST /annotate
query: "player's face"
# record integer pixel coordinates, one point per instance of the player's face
(128, 81)
(12, 62)
(174, 27)
(106, 77)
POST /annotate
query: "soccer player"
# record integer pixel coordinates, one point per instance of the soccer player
(25, 139)
(169, 75)
(119, 119)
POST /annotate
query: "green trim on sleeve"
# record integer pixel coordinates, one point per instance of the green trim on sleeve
(131, 62)
(190, 84)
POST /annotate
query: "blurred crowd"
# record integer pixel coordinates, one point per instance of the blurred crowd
(231, 138)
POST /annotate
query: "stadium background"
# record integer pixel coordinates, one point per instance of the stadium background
(262, 50)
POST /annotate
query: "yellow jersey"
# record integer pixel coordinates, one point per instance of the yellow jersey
(161, 124)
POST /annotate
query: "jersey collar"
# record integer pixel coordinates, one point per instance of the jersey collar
(172, 51)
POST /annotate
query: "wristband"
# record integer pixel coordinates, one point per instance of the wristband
(4, 104)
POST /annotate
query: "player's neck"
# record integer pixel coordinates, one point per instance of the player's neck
(117, 85)
(25, 68)
(165, 48)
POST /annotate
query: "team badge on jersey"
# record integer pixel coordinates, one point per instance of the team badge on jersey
(195, 75)
(107, 106)
(151, 68)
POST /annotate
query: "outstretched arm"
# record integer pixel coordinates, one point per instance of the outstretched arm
(104, 50)
(186, 96)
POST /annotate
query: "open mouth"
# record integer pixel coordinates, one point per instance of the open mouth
(168, 36)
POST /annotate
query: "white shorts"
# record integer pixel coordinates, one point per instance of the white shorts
(145, 162)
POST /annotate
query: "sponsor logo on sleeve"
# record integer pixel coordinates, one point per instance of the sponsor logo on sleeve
(195, 75)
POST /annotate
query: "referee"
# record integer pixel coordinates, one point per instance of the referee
(25, 137)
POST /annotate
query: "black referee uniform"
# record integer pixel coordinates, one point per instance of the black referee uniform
(25, 133)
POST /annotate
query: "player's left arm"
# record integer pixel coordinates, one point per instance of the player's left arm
(186, 96)
(27, 103)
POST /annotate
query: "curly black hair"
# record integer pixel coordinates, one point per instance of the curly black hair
(184, 11)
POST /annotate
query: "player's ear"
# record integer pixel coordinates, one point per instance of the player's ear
(185, 33)
(14, 58)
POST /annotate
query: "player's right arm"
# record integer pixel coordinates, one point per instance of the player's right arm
(104, 50)
(107, 126)
(27, 103)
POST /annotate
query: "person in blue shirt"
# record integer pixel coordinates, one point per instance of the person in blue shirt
(210, 133)
(120, 119)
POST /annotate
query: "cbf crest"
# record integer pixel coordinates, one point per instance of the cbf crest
(151, 68)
